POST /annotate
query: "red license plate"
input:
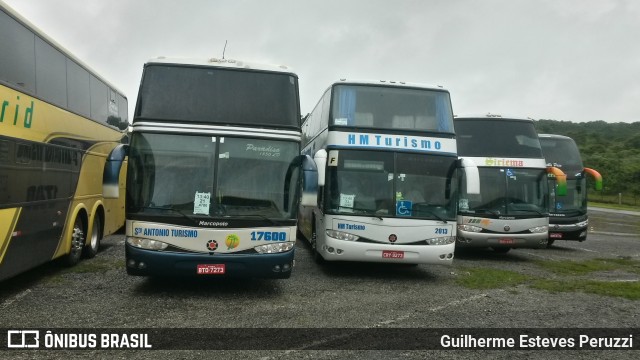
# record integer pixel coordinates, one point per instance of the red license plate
(210, 269)
(392, 254)
(555, 235)
(507, 241)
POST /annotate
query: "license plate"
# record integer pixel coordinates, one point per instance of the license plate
(555, 235)
(211, 269)
(392, 254)
(507, 241)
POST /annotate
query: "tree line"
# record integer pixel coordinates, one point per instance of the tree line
(613, 149)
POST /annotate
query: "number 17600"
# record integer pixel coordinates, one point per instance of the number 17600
(268, 236)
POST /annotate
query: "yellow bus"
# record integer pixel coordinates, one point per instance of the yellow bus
(59, 120)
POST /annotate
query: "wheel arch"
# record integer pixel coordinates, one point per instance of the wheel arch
(80, 210)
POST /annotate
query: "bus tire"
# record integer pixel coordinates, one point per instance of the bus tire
(76, 242)
(501, 249)
(550, 242)
(91, 249)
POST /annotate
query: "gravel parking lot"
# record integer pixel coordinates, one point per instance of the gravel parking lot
(345, 296)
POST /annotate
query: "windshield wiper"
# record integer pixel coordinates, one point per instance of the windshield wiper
(368, 212)
(254, 215)
(530, 211)
(492, 212)
(432, 213)
(172, 208)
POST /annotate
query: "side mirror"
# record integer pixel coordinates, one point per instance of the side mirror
(561, 180)
(111, 175)
(596, 176)
(472, 175)
(320, 159)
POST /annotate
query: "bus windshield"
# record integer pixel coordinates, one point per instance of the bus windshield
(220, 96)
(518, 139)
(507, 191)
(392, 108)
(391, 185)
(574, 202)
(211, 176)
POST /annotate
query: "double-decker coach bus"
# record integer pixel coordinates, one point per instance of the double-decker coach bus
(58, 122)
(511, 210)
(214, 171)
(387, 174)
(567, 214)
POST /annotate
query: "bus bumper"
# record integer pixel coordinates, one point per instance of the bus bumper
(341, 250)
(467, 239)
(567, 232)
(142, 262)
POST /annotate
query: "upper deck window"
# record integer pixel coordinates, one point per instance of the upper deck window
(219, 96)
(497, 138)
(386, 107)
(562, 153)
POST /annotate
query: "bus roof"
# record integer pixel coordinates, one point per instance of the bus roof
(222, 63)
(491, 116)
(403, 84)
(26, 23)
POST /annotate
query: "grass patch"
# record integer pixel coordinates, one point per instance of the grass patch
(589, 266)
(91, 266)
(96, 266)
(613, 206)
(569, 280)
(487, 278)
(627, 290)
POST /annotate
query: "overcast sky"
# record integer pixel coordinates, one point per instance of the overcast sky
(574, 60)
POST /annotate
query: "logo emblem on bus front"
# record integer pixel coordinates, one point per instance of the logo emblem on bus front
(507, 228)
(212, 245)
(393, 238)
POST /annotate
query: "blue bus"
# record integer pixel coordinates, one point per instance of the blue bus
(214, 170)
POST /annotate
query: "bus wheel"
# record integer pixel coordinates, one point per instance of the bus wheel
(91, 250)
(77, 242)
(550, 242)
(501, 249)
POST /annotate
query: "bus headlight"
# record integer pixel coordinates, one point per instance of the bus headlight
(539, 229)
(444, 240)
(147, 244)
(275, 247)
(583, 223)
(342, 235)
(469, 228)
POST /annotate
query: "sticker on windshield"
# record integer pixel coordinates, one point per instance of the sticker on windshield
(463, 204)
(201, 203)
(340, 121)
(347, 201)
(333, 158)
(403, 208)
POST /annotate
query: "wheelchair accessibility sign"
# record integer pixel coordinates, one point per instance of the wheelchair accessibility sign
(403, 208)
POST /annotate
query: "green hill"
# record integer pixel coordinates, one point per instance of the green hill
(611, 148)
